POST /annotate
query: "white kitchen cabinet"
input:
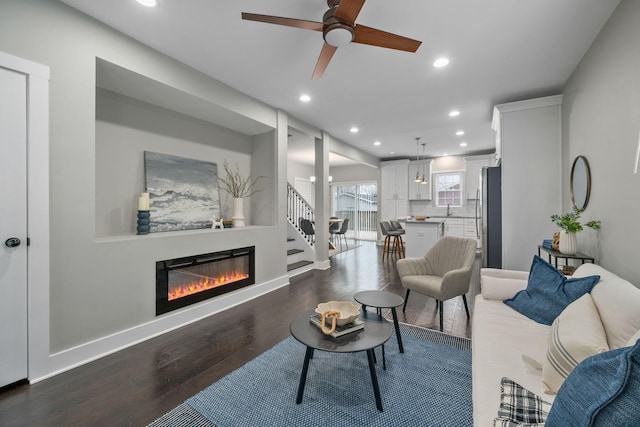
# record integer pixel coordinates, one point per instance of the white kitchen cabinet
(472, 174)
(418, 191)
(394, 180)
(454, 227)
(420, 236)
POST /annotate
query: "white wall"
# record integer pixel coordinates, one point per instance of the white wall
(354, 173)
(531, 174)
(448, 164)
(299, 170)
(601, 120)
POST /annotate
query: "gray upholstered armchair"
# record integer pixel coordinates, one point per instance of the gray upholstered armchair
(443, 273)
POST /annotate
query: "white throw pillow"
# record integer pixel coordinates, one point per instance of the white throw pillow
(501, 288)
(617, 302)
(634, 339)
(576, 334)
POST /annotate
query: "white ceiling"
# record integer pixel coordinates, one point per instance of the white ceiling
(500, 51)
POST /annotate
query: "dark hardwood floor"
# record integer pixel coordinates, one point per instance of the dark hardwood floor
(139, 384)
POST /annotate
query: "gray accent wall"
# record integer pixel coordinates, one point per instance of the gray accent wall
(126, 128)
(601, 121)
(102, 275)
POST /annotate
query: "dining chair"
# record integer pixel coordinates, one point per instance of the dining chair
(333, 226)
(307, 228)
(342, 232)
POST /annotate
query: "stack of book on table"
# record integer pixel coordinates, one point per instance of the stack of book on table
(547, 244)
(355, 326)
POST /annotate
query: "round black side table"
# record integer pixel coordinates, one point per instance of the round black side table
(376, 332)
(380, 300)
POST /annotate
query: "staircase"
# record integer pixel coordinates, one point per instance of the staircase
(299, 245)
(296, 262)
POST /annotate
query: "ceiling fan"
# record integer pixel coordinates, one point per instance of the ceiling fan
(339, 28)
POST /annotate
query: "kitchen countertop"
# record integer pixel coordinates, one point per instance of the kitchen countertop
(453, 216)
(430, 220)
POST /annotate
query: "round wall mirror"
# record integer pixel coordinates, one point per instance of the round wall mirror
(580, 184)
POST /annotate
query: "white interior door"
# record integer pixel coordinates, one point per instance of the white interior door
(13, 227)
(306, 189)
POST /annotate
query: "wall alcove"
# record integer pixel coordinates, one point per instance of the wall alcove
(135, 113)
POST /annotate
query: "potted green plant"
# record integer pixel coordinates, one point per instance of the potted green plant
(570, 225)
(239, 187)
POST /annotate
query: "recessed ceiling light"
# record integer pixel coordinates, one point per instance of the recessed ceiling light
(460, 133)
(463, 144)
(454, 113)
(148, 3)
(441, 62)
(392, 152)
(305, 98)
(354, 130)
(377, 143)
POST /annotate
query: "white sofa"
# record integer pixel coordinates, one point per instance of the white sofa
(501, 335)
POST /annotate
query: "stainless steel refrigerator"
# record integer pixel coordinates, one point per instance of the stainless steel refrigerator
(490, 216)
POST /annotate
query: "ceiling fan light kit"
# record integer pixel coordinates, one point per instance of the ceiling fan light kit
(338, 35)
(339, 28)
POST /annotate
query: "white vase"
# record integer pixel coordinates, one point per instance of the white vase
(568, 244)
(238, 213)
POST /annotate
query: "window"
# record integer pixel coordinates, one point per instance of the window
(448, 188)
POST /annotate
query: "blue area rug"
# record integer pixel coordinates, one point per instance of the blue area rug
(428, 385)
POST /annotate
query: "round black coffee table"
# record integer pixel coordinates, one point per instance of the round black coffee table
(375, 333)
(380, 300)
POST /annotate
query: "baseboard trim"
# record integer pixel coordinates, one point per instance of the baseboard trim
(88, 352)
(322, 265)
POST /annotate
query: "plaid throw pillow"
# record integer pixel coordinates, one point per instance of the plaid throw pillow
(519, 407)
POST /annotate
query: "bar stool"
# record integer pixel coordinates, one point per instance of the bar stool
(387, 246)
(396, 226)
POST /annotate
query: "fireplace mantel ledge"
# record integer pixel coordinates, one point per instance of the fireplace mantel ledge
(177, 234)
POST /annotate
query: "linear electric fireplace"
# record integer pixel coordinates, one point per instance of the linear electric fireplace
(184, 281)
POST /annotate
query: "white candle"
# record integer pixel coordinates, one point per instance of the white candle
(143, 203)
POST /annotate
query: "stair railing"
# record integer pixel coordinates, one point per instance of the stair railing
(297, 209)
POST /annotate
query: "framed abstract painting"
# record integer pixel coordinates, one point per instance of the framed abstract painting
(183, 193)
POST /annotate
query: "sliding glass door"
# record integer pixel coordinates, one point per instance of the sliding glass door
(359, 203)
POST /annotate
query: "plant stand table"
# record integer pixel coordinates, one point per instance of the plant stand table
(553, 253)
(376, 332)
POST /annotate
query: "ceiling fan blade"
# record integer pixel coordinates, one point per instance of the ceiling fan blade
(374, 37)
(348, 10)
(323, 60)
(288, 22)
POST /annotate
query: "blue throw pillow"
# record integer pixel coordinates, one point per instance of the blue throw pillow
(603, 390)
(549, 292)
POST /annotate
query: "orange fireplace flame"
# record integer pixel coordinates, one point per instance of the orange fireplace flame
(204, 284)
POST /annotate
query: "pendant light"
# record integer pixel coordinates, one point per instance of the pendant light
(417, 178)
(424, 159)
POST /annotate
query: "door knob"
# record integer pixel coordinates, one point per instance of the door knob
(12, 242)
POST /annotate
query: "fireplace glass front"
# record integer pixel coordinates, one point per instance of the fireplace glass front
(184, 281)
